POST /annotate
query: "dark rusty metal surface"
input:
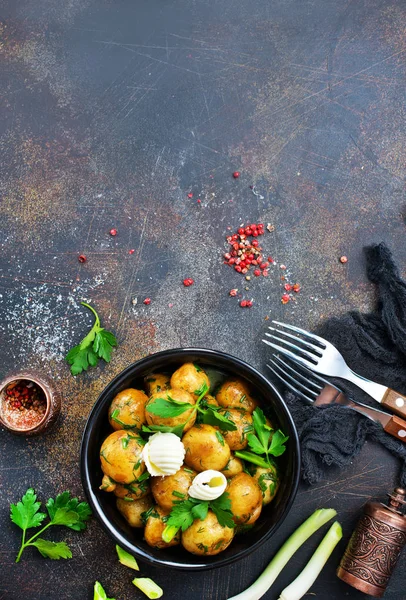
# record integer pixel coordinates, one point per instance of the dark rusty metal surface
(111, 113)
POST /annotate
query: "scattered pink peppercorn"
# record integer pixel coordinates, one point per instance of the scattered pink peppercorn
(190, 195)
(233, 292)
(249, 303)
(296, 287)
(343, 259)
(147, 301)
(257, 272)
(113, 232)
(287, 287)
(199, 201)
(82, 258)
(285, 298)
(188, 282)
(131, 251)
(265, 273)
(236, 174)
(283, 267)
(243, 303)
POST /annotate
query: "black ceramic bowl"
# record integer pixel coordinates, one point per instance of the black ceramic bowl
(103, 504)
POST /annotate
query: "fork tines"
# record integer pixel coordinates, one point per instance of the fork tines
(306, 354)
(297, 381)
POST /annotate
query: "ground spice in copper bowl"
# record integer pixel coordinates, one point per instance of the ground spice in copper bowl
(28, 405)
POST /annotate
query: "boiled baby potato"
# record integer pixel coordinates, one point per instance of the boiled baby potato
(132, 511)
(211, 400)
(107, 484)
(172, 394)
(120, 456)
(268, 481)
(156, 382)
(246, 499)
(233, 467)
(237, 440)
(205, 448)
(207, 536)
(127, 411)
(167, 490)
(190, 377)
(234, 393)
(132, 491)
(154, 529)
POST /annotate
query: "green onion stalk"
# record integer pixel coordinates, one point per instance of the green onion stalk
(319, 518)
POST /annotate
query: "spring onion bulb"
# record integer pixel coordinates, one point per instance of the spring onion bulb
(149, 587)
(298, 588)
(319, 518)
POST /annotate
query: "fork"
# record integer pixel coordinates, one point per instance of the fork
(320, 356)
(319, 391)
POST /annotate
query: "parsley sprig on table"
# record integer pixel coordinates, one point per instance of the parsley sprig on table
(185, 512)
(97, 344)
(266, 442)
(168, 407)
(63, 510)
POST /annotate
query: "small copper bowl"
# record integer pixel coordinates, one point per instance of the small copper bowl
(49, 393)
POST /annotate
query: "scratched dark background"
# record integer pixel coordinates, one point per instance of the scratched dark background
(112, 112)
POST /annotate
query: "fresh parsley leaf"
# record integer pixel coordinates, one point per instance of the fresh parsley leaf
(67, 511)
(255, 444)
(196, 366)
(168, 408)
(261, 428)
(64, 510)
(211, 416)
(277, 443)
(25, 513)
(177, 430)
(103, 344)
(53, 550)
(185, 512)
(264, 442)
(181, 515)
(98, 343)
(222, 509)
(199, 511)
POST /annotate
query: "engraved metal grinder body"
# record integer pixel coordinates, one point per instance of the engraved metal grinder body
(375, 546)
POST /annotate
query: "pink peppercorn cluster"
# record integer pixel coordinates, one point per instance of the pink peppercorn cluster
(244, 253)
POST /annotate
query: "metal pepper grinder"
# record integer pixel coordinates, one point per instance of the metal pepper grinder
(375, 545)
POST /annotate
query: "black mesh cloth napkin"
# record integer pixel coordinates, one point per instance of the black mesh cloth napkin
(374, 345)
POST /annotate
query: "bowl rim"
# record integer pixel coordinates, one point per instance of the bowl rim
(91, 495)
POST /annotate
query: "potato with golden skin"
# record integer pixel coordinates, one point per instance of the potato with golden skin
(133, 491)
(127, 411)
(207, 537)
(121, 456)
(205, 448)
(167, 490)
(237, 439)
(233, 467)
(234, 393)
(156, 382)
(190, 377)
(188, 416)
(107, 484)
(132, 511)
(246, 499)
(268, 481)
(155, 527)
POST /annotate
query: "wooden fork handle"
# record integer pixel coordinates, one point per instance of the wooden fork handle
(397, 428)
(395, 402)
